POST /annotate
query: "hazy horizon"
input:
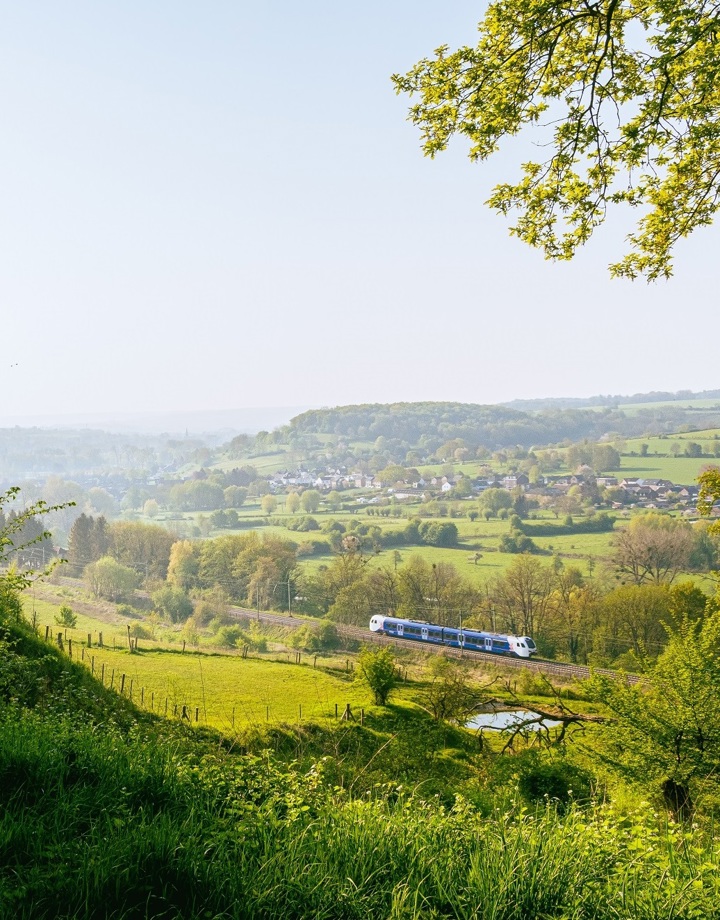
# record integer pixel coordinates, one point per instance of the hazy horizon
(210, 207)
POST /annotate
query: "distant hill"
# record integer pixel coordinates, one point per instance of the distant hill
(569, 402)
(430, 424)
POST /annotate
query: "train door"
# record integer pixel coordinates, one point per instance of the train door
(424, 633)
(400, 629)
(461, 639)
(488, 644)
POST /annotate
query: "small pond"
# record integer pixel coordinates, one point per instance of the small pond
(499, 721)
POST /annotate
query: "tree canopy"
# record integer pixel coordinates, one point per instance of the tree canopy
(623, 96)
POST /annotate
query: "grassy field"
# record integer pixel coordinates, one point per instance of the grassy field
(227, 689)
(680, 470)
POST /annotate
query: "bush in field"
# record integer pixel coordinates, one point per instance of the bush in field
(66, 617)
(316, 639)
(229, 636)
(558, 781)
(303, 524)
(313, 548)
(517, 542)
(439, 534)
(255, 638)
(376, 669)
(140, 631)
(108, 578)
(173, 603)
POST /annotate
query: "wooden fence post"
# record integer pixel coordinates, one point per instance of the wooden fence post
(47, 633)
(89, 645)
(102, 674)
(60, 641)
(197, 713)
(92, 666)
(122, 685)
(70, 647)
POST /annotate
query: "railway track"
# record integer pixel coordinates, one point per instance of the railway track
(557, 668)
(544, 666)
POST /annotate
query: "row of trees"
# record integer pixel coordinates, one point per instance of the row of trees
(569, 615)
(145, 548)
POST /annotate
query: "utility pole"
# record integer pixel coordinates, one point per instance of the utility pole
(289, 610)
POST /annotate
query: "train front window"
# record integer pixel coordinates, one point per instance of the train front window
(530, 643)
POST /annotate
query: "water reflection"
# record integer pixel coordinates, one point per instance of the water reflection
(499, 721)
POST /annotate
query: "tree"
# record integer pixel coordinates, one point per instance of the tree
(20, 534)
(268, 504)
(334, 500)
(572, 613)
(108, 578)
(80, 542)
(653, 548)
(449, 696)
(101, 502)
(310, 501)
(709, 481)
(377, 671)
(184, 565)
(635, 617)
(495, 500)
(292, 502)
(234, 496)
(173, 603)
(66, 617)
(197, 495)
(143, 547)
(522, 596)
(622, 95)
(667, 730)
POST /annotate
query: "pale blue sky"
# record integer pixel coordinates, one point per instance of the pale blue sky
(221, 205)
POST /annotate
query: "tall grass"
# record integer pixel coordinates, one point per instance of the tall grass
(110, 814)
(97, 823)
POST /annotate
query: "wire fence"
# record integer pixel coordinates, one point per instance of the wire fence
(108, 662)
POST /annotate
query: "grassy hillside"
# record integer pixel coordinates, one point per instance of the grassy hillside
(109, 812)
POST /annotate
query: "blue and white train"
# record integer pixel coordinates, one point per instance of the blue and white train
(519, 646)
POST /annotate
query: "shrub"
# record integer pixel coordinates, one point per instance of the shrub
(557, 781)
(316, 639)
(303, 524)
(228, 636)
(313, 548)
(377, 671)
(66, 617)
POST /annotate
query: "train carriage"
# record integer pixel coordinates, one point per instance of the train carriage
(431, 633)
